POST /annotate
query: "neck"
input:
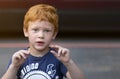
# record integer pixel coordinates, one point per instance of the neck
(38, 53)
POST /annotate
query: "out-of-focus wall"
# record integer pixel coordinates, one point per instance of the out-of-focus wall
(78, 18)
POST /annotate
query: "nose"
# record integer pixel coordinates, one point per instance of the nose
(41, 34)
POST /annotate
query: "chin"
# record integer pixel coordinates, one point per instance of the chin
(40, 48)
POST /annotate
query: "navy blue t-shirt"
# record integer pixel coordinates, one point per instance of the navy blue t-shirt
(46, 67)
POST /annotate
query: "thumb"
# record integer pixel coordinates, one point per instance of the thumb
(54, 53)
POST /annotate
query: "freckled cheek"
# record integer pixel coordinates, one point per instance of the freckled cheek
(32, 38)
(49, 38)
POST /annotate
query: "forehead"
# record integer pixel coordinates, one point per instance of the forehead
(38, 23)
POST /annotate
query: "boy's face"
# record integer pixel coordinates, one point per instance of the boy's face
(40, 34)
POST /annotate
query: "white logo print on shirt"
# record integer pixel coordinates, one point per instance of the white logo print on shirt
(38, 74)
(50, 70)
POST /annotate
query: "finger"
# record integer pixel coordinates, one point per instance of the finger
(55, 46)
(17, 56)
(64, 51)
(21, 54)
(54, 53)
(24, 53)
(59, 52)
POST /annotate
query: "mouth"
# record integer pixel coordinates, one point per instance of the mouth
(40, 43)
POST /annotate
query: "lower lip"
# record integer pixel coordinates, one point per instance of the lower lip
(40, 43)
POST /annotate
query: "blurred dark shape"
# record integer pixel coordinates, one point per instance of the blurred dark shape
(78, 18)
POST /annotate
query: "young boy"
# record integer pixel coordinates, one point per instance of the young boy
(42, 60)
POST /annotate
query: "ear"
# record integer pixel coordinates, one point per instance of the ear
(54, 35)
(25, 32)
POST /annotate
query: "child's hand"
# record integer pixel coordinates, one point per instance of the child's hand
(63, 54)
(19, 57)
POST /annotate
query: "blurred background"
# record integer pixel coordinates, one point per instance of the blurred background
(89, 28)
